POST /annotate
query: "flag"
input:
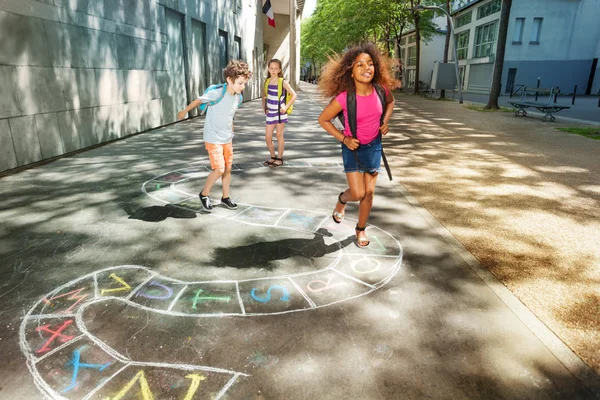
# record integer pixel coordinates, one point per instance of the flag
(268, 10)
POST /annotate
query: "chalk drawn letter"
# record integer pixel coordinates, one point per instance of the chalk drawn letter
(326, 285)
(56, 334)
(73, 295)
(167, 292)
(193, 386)
(144, 387)
(226, 299)
(285, 297)
(359, 266)
(75, 362)
(124, 285)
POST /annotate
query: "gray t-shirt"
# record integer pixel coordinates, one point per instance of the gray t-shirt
(218, 127)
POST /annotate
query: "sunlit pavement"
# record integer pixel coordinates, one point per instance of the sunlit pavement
(115, 284)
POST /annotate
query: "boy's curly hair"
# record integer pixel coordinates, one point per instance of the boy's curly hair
(235, 69)
(336, 75)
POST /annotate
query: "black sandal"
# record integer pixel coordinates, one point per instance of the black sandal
(361, 240)
(270, 162)
(338, 215)
(274, 164)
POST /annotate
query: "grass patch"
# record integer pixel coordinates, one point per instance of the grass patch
(481, 107)
(592, 133)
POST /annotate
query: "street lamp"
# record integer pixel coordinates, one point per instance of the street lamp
(458, 83)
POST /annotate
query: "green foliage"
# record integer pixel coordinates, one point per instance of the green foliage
(338, 24)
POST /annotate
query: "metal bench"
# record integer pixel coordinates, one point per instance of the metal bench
(548, 107)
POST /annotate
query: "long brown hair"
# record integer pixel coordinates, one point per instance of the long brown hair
(336, 75)
(278, 62)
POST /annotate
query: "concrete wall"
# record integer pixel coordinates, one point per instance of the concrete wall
(552, 73)
(278, 41)
(569, 41)
(570, 30)
(76, 73)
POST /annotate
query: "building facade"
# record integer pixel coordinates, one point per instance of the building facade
(555, 41)
(432, 51)
(75, 74)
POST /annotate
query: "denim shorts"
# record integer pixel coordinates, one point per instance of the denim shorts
(368, 156)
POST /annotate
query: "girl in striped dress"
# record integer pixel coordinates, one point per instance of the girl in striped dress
(276, 111)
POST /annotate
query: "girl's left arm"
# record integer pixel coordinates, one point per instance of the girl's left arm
(387, 113)
(287, 87)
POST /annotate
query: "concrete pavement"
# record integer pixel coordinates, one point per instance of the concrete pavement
(114, 284)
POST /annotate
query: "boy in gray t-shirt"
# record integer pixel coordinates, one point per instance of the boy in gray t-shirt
(218, 129)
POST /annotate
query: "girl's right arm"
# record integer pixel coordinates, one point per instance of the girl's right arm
(190, 107)
(329, 113)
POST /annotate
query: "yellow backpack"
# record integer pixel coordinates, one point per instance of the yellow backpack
(280, 90)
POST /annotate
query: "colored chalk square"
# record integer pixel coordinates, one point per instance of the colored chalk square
(302, 220)
(327, 287)
(67, 300)
(260, 216)
(120, 282)
(77, 369)
(152, 382)
(46, 335)
(270, 296)
(158, 294)
(368, 268)
(208, 298)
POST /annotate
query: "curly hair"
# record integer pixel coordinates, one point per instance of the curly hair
(278, 62)
(336, 75)
(235, 69)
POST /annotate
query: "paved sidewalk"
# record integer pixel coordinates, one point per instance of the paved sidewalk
(585, 109)
(114, 284)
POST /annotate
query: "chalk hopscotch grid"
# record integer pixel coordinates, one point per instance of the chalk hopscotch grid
(174, 178)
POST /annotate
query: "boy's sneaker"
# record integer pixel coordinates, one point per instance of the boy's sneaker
(205, 201)
(227, 202)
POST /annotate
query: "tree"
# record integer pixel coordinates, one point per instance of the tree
(446, 47)
(499, 61)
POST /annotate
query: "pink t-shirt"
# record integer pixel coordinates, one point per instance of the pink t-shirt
(368, 110)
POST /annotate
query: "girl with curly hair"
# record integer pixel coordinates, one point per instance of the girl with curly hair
(355, 78)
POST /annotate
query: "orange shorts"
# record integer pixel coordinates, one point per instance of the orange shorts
(221, 155)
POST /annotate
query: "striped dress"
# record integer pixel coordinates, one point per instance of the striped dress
(273, 106)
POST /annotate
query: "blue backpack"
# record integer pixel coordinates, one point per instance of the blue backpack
(223, 86)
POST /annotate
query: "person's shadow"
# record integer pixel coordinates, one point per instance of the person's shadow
(158, 213)
(263, 254)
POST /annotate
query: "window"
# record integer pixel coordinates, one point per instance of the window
(536, 30)
(462, 45)
(410, 79)
(485, 39)
(223, 53)
(518, 32)
(402, 41)
(237, 47)
(489, 9)
(463, 20)
(412, 55)
(412, 39)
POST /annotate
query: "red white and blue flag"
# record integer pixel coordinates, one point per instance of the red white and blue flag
(268, 10)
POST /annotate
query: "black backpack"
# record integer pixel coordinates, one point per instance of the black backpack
(351, 107)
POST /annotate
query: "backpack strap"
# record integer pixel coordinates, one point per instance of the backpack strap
(223, 90)
(279, 92)
(351, 107)
(381, 94)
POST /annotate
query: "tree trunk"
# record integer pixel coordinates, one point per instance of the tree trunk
(417, 51)
(499, 61)
(447, 46)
